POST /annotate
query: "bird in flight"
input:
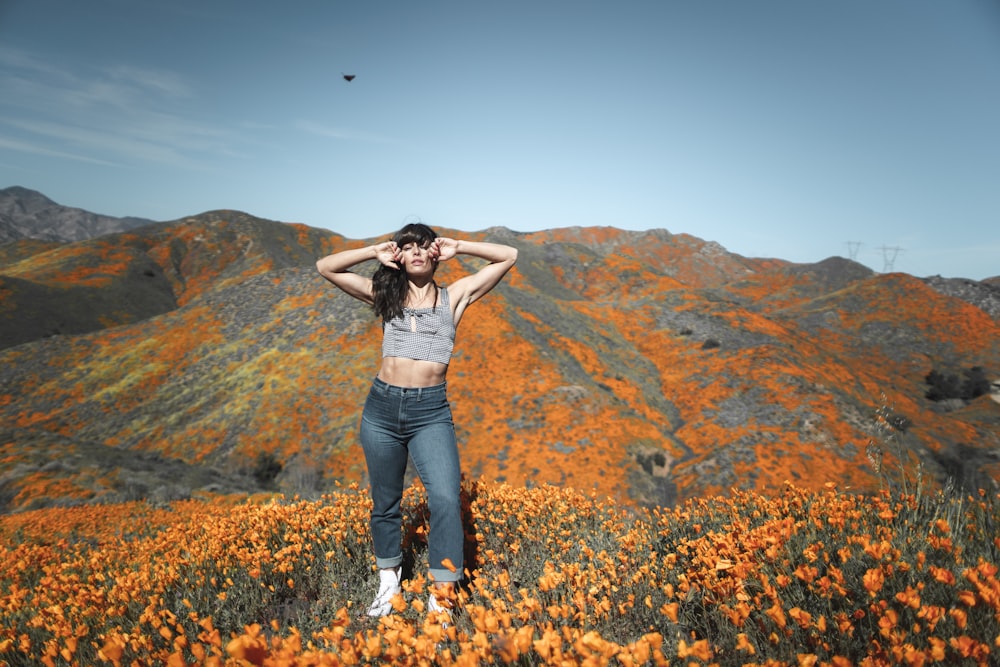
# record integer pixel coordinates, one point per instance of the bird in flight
(348, 78)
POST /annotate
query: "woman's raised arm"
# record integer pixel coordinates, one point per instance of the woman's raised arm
(471, 288)
(335, 268)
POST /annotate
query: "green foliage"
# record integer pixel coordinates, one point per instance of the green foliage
(266, 468)
(972, 383)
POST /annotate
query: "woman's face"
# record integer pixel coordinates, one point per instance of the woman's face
(418, 258)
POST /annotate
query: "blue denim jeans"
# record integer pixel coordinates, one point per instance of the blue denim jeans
(397, 423)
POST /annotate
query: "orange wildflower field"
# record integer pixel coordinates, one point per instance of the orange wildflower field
(553, 577)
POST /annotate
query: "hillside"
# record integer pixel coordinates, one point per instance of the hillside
(648, 366)
(27, 214)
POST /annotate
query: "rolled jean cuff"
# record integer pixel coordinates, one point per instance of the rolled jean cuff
(444, 576)
(386, 563)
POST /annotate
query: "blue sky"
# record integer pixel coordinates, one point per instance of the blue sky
(794, 129)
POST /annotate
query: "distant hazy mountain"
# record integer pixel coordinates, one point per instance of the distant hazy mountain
(27, 214)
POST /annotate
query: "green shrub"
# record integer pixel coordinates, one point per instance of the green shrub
(266, 468)
(973, 383)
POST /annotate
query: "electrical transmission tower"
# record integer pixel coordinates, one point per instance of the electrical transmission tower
(889, 254)
(852, 250)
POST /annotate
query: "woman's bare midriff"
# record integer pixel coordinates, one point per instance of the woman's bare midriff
(412, 372)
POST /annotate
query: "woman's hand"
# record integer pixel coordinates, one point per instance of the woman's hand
(446, 248)
(388, 254)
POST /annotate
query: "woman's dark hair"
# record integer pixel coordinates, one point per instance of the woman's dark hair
(389, 285)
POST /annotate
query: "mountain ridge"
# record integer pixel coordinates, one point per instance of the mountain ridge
(650, 367)
(28, 214)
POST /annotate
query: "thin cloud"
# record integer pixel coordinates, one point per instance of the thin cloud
(35, 149)
(115, 89)
(128, 143)
(121, 113)
(167, 84)
(115, 85)
(18, 59)
(341, 133)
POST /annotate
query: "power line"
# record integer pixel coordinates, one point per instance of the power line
(889, 254)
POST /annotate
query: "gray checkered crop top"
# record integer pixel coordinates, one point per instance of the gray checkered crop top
(427, 334)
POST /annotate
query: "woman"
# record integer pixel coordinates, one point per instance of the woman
(407, 411)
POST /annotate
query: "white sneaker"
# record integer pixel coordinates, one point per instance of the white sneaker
(388, 587)
(435, 607)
